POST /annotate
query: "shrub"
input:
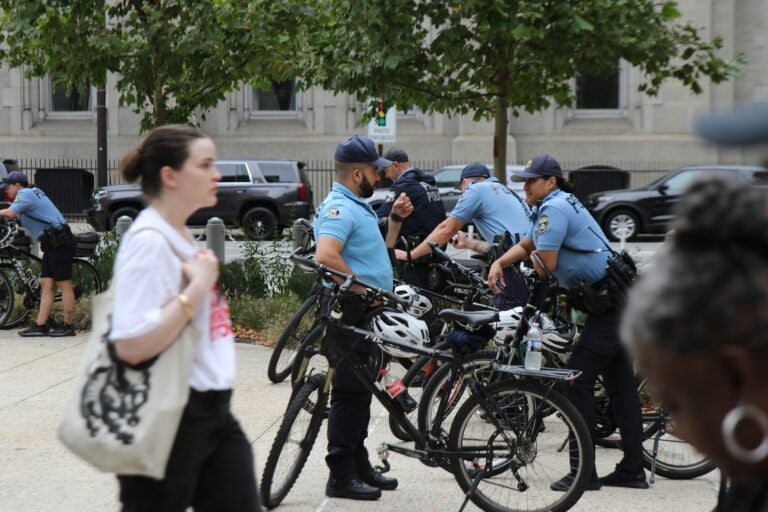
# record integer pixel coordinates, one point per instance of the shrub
(267, 314)
(106, 252)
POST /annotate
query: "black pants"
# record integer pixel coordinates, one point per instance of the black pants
(599, 352)
(210, 467)
(350, 402)
(515, 292)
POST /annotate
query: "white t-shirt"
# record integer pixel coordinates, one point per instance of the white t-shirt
(148, 274)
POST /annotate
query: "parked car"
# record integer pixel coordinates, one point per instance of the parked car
(260, 196)
(447, 180)
(649, 209)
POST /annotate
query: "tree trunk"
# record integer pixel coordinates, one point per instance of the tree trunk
(500, 139)
(500, 125)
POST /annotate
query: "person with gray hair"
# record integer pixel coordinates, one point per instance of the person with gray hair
(698, 322)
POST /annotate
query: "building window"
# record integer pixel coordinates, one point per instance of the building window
(603, 94)
(65, 100)
(280, 97)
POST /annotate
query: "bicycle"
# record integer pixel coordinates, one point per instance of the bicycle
(301, 323)
(506, 437)
(19, 271)
(663, 452)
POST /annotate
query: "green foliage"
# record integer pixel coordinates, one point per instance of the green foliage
(106, 253)
(263, 314)
(173, 58)
(485, 57)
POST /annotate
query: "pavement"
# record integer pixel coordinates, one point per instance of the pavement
(37, 473)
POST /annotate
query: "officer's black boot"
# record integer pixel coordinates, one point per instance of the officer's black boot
(353, 489)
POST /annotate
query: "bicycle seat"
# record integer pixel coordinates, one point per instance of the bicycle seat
(470, 318)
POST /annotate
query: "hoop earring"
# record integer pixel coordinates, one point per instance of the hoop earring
(728, 427)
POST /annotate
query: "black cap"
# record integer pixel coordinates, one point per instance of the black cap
(539, 166)
(360, 149)
(475, 170)
(745, 124)
(14, 177)
(396, 155)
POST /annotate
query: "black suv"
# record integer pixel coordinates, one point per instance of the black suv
(649, 209)
(261, 196)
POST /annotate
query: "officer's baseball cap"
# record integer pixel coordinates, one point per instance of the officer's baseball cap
(13, 178)
(396, 155)
(539, 167)
(475, 170)
(745, 124)
(359, 149)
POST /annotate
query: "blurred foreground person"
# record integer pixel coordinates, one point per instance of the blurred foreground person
(698, 324)
(164, 282)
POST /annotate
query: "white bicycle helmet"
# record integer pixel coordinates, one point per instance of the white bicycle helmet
(557, 335)
(419, 304)
(394, 325)
(507, 324)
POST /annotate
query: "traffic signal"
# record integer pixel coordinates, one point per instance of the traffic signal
(381, 115)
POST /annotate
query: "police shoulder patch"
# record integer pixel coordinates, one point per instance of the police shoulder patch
(543, 223)
(332, 213)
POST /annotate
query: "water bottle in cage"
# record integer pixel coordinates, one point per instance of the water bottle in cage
(397, 390)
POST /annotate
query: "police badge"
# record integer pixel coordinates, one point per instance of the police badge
(543, 223)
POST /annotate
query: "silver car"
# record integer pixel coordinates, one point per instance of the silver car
(447, 180)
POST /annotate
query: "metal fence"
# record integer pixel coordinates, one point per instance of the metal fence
(321, 174)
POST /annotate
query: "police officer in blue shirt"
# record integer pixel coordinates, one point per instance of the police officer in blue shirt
(428, 210)
(38, 214)
(349, 240)
(572, 246)
(495, 210)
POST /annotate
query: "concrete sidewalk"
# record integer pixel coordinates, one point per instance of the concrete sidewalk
(38, 474)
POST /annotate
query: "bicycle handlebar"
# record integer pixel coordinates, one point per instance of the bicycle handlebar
(466, 271)
(349, 280)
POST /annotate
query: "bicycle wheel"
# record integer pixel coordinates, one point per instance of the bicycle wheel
(446, 390)
(676, 459)
(316, 363)
(23, 300)
(284, 353)
(86, 284)
(524, 447)
(294, 441)
(6, 298)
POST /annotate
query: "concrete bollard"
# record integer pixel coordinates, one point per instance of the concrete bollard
(298, 233)
(122, 225)
(214, 236)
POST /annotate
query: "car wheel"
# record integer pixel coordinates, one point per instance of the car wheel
(128, 211)
(620, 224)
(258, 223)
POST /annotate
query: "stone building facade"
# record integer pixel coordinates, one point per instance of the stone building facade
(618, 126)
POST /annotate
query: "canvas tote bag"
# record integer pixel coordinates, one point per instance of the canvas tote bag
(123, 419)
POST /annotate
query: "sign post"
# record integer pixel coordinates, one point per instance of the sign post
(382, 128)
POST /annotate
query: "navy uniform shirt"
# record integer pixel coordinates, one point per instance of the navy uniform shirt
(494, 209)
(351, 221)
(561, 223)
(428, 208)
(36, 212)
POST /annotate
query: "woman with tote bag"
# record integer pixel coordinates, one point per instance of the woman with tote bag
(163, 282)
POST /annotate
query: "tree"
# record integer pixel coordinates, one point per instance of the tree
(173, 58)
(490, 57)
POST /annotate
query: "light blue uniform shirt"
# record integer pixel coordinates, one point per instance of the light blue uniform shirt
(560, 222)
(351, 221)
(32, 202)
(494, 209)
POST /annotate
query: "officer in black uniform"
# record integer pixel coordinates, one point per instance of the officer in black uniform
(428, 211)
